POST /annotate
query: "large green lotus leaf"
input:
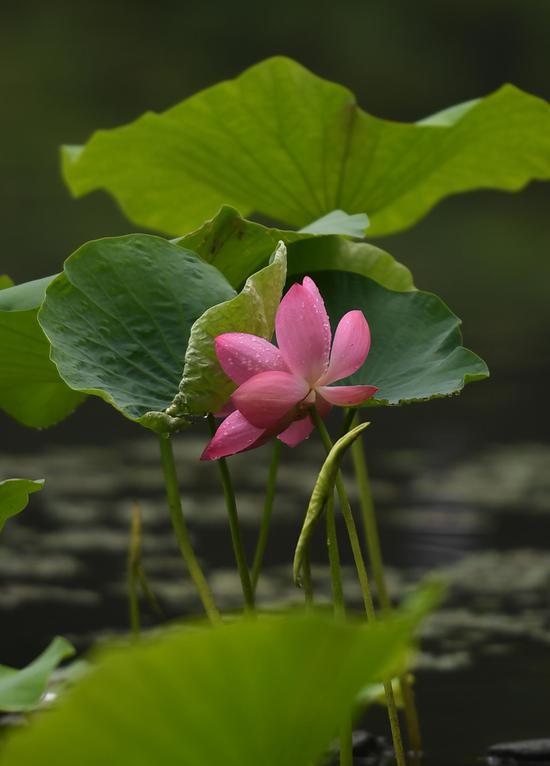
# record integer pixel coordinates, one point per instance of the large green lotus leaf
(119, 318)
(416, 352)
(204, 386)
(26, 296)
(22, 690)
(339, 254)
(339, 222)
(238, 248)
(269, 691)
(31, 390)
(235, 246)
(280, 141)
(14, 496)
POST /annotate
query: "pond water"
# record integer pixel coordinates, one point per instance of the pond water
(453, 493)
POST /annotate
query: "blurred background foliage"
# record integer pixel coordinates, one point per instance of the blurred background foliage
(68, 69)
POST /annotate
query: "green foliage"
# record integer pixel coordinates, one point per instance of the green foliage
(119, 319)
(14, 496)
(416, 352)
(204, 386)
(235, 246)
(324, 487)
(22, 690)
(238, 248)
(26, 296)
(339, 254)
(283, 142)
(31, 390)
(252, 692)
(339, 222)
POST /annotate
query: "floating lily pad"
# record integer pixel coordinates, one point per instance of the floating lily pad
(416, 351)
(280, 141)
(14, 496)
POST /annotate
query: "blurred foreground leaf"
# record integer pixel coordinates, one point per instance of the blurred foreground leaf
(269, 691)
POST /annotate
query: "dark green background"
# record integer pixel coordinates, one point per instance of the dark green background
(69, 68)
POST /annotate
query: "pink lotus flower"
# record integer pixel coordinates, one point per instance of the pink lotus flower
(278, 386)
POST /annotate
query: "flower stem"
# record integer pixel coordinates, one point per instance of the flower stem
(346, 732)
(148, 592)
(349, 418)
(266, 517)
(363, 583)
(307, 581)
(181, 531)
(234, 526)
(334, 559)
(369, 521)
(350, 523)
(346, 744)
(132, 571)
(394, 724)
(375, 556)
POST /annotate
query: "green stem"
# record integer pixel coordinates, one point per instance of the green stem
(234, 526)
(307, 581)
(394, 724)
(374, 548)
(148, 592)
(266, 517)
(411, 718)
(181, 532)
(346, 732)
(346, 744)
(369, 521)
(363, 583)
(349, 417)
(334, 559)
(350, 523)
(132, 571)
